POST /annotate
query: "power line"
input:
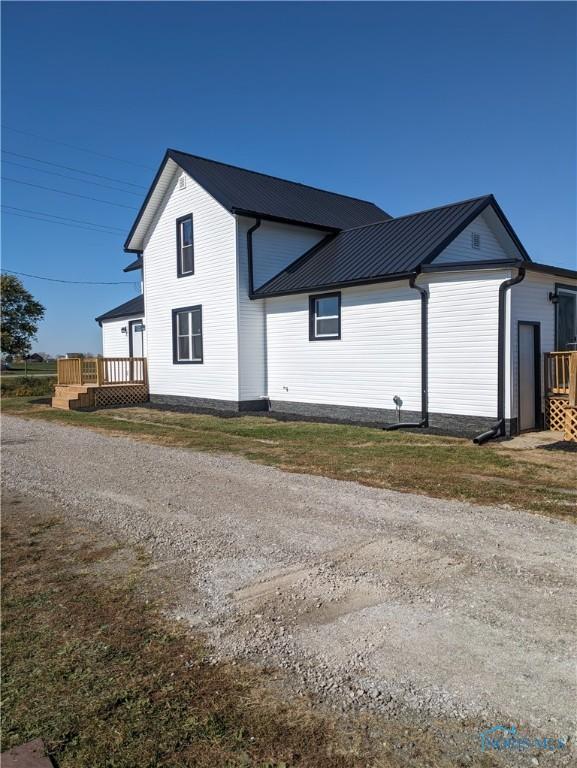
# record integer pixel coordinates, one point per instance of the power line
(62, 223)
(65, 218)
(74, 178)
(70, 194)
(69, 282)
(72, 168)
(73, 146)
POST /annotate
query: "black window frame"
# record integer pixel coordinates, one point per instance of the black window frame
(312, 316)
(175, 313)
(568, 289)
(179, 222)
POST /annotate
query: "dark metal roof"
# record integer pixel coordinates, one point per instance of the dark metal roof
(550, 269)
(134, 306)
(137, 264)
(383, 251)
(251, 193)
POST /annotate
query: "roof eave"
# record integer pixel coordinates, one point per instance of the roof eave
(335, 286)
(464, 266)
(281, 220)
(127, 248)
(549, 269)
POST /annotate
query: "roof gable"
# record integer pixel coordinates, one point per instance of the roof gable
(246, 192)
(387, 250)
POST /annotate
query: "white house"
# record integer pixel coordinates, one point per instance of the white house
(265, 294)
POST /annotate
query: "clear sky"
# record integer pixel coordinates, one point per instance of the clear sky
(410, 105)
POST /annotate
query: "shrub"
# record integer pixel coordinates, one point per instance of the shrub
(27, 386)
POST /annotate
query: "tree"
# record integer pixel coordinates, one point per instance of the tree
(21, 314)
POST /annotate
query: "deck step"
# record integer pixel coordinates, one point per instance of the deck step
(61, 403)
(66, 390)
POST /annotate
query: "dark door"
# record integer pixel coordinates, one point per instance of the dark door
(566, 319)
(529, 376)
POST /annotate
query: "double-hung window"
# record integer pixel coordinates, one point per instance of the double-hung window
(325, 316)
(187, 335)
(184, 246)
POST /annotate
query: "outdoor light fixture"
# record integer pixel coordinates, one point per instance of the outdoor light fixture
(123, 329)
(553, 297)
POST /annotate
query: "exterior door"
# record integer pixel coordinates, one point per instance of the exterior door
(136, 338)
(529, 376)
(566, 319)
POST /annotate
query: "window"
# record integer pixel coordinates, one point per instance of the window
(184, 246)
(565, 318)
(325, 316)
(187, 335)
(475, 240)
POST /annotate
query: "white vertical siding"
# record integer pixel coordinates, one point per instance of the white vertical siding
(377, 357)
(114, 342)
(213, 285)
(463, 335)
(530, 302)
(461, 250)
(275, 246)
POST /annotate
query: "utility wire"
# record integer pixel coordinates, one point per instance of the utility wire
(62, 223)
(65, 218)
(70, 194)
(74, 178)
(69, 282)
(73, 146)
(72, 168)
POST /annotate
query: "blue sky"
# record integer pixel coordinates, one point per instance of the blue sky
(410, 105)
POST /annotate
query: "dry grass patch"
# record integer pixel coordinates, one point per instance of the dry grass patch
(539, 480)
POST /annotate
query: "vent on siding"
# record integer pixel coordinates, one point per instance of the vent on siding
(182, 182)
(475, 240)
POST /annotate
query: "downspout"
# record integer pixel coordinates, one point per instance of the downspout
(424, 422)
(249, 251)
(252, 229)
(498, 429)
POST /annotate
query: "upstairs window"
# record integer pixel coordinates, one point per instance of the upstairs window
(325, 316)
(184, 246)
(187, 335)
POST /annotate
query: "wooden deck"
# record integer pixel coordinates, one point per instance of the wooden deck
(100, 382)
(561, 393)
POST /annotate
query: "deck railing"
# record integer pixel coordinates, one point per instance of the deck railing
(561, 375)
(102, 371)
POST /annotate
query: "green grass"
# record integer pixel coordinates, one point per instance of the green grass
(27, 386)
(19, 369)
(542, 481)
(99, 673)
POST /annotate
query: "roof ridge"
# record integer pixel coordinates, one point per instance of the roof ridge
(271, 176)
(425, 210)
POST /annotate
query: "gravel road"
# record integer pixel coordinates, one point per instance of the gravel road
(369, 598)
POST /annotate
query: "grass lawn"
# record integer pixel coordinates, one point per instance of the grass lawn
(538, 480)
(92, 666)
(18, 369)
(27, 386)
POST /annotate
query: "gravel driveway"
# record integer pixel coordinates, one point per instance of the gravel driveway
(370, 598)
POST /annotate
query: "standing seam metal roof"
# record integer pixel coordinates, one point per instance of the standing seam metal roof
(131, 307)
(394, 247)
(243, 191)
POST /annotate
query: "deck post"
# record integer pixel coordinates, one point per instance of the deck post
(98, 371)
(573, 380)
